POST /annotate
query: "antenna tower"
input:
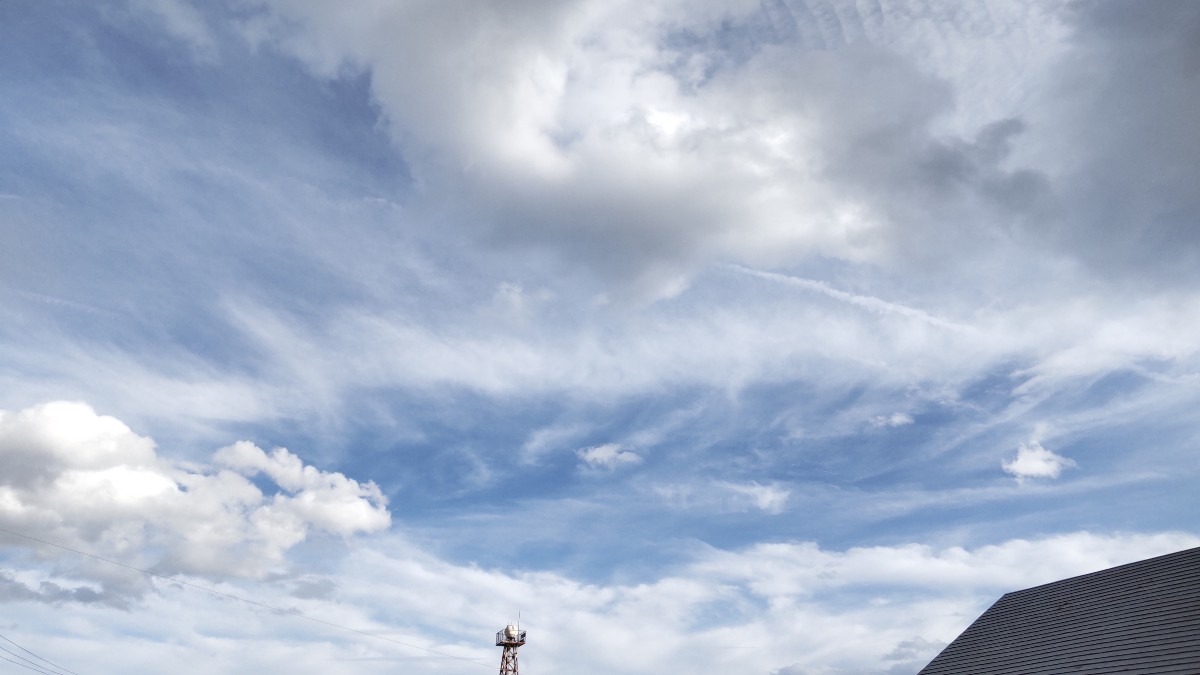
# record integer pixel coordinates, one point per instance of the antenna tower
(510, 638)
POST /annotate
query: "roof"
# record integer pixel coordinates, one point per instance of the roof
(1143, 617)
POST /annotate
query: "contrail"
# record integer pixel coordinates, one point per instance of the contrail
(58, 302)
(866, 301)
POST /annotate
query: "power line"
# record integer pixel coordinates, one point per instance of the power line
(27, 667)
(245, 600)
(33, 655)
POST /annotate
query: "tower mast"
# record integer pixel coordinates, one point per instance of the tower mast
(510, 638)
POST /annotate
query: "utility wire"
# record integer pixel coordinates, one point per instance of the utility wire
(245, 600)
(33, 668)
(55, 665)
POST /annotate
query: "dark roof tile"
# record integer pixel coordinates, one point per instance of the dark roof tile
(1143, 617)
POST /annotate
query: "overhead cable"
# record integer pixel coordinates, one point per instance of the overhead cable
(28, 667)
(55, 665)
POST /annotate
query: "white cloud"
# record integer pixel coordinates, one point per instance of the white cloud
(548, 439)
(608, 456)
(592, 134)
(788, 605)
(329, 501)
(724, 496)
(590, 129)
(87, 481)
(1034, 461)
(872, 304)
(790, 569)
(768, 498)
(627, 107)
(897, 419)
(794, 606)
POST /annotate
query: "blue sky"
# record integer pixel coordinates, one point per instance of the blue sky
(804, 327)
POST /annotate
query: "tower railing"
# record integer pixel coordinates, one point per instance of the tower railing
(503, 640)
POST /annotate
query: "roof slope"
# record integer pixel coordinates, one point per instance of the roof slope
(1143, 617)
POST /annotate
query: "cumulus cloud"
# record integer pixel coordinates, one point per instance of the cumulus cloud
(631, 139)
(329, 501)
(1035, 461)
(608, 456)
(87, 481)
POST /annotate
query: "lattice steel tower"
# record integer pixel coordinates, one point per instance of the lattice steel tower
(510, 638)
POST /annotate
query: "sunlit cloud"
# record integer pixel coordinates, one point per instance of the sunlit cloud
(1035, 461)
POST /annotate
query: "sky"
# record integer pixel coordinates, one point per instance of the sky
(777, 337)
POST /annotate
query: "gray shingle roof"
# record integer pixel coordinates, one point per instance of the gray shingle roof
(1143, 617)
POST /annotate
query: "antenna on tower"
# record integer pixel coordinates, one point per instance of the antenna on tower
(510, 638)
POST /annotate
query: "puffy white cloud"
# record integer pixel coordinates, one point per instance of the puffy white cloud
(87, 481)
(329, 501)
(1035, 461)
(608, 456)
